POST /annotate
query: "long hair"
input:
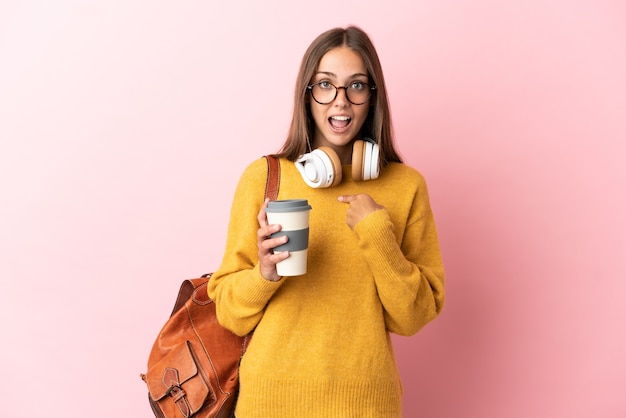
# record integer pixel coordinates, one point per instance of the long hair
(378, 123)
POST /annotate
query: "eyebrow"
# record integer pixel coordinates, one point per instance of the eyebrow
(330, 74)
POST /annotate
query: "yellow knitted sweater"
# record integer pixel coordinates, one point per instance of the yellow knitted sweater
(321, 344)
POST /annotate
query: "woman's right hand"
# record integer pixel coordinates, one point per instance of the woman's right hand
(267, 258)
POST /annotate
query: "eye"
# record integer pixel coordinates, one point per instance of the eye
(325, 85)
(358, 85)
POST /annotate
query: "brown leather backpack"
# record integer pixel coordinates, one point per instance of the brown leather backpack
(193, 368)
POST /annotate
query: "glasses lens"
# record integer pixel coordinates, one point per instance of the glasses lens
(358, 93)
(324, 92)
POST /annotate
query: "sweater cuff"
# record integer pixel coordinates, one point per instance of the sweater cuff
(259, 290)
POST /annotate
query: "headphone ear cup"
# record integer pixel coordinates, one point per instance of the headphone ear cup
(374, 167)
(333, 163)
(365, 160)
(370, 161)
(357, 160)
(320, 168)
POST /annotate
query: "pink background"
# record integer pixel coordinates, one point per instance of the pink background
(125, 125)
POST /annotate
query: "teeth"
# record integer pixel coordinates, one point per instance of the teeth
(340, 117)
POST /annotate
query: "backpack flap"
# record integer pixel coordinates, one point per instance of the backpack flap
(175, 382)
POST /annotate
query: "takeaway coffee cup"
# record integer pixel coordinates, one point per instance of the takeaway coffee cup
(293, 217)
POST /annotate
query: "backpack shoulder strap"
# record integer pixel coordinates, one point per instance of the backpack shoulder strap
(273, 177)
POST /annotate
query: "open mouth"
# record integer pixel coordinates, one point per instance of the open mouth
(339, 122)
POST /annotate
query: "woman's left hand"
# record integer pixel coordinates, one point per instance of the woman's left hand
(360, 205)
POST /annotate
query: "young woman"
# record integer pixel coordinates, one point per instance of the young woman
(321, 344)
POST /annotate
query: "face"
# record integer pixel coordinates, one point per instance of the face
(339, 122)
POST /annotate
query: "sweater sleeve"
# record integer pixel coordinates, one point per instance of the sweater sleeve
(408, 270)
(239, 290)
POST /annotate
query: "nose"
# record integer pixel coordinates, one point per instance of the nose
(342, 96)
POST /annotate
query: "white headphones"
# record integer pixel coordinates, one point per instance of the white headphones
(322, 167)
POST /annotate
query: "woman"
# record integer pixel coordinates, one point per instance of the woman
(321, 344)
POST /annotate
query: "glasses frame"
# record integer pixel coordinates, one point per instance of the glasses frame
(345, 88)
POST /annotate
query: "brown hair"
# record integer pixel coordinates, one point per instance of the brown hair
(378, 123)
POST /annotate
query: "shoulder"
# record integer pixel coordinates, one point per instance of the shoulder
(403, 174)
(255, 171)
(252, 180)
(256, 167)
(406, 184)
(404, 193)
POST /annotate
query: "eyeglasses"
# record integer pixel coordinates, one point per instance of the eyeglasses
(357, 92)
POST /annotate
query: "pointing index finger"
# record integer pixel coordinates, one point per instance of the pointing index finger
(346, 198)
